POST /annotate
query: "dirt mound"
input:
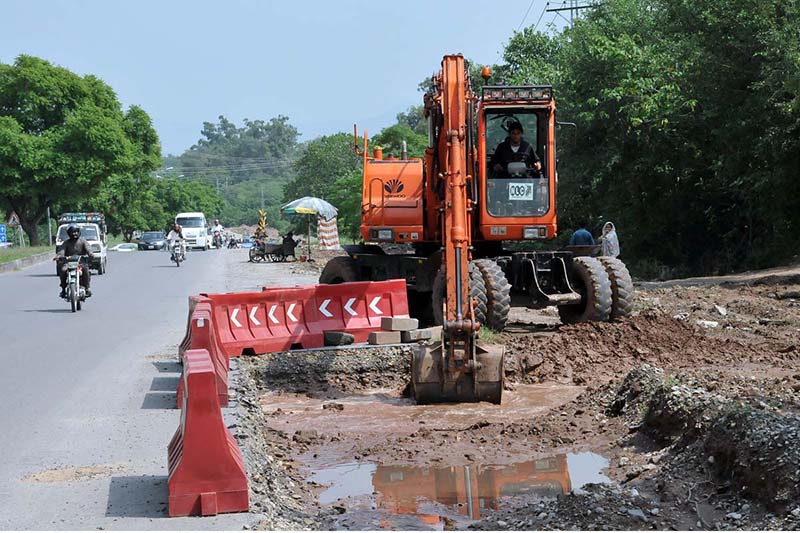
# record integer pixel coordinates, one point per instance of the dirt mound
(336, 370)
(600, 351)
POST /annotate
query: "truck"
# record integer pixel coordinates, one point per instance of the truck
(93, 229)
(452, 225)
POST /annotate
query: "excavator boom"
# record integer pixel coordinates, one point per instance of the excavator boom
(458, 369)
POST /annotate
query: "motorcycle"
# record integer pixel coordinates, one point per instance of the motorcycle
(75, 293)
(217, 240)
(177, 253)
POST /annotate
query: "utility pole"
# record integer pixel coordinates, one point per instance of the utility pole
(574, 9)
(217, 178)
(262, 197)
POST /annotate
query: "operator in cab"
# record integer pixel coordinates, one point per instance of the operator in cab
(514, 149)
(74, 245)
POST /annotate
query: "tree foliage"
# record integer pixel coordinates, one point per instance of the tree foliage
(248, 165)
(62, 137)
(688, 115)
(391, 140)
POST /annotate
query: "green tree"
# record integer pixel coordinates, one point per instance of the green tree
(61, 137)
(322, 161)
(414, 118)
(688, 117)
(248, 165)
(178, 195)
(391, 139)
(328, 168)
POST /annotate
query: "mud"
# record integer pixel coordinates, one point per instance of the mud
(689, 410)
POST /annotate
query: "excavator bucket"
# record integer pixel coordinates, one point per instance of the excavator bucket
(433, 381)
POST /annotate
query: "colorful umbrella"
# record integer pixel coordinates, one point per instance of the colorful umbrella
(309, 205)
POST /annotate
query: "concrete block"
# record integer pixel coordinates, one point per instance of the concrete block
(391, 323)
(416, 335)
(384, 337)
(338, 338)
(436, 333)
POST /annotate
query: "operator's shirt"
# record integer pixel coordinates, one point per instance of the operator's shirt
(505, 154)
(77, 246)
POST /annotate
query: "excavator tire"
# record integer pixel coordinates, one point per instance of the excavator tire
(477, 291)
(498, 294)
(342, 269)
(621, 287)
(591, 280)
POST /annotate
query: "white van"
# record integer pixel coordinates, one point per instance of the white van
(195, 230)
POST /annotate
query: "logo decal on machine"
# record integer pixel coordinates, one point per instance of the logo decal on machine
(393, 186)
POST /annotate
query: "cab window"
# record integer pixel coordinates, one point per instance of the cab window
(514, 188)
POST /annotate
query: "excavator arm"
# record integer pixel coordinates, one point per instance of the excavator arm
(458, 369)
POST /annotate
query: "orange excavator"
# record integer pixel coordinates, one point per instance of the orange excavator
(441, 222)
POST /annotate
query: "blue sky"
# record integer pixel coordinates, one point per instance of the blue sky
(324, 64)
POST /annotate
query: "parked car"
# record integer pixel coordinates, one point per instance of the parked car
(152, 240)
(123, 247)
(247, 242)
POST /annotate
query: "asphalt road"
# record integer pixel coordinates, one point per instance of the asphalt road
(87, 399)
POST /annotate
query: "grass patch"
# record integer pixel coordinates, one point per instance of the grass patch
(12, 254)
(488, 336)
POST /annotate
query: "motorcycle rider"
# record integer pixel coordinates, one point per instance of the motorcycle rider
(176, 233)
(217, 229)
(74, 245)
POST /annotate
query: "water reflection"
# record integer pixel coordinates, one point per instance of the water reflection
(460, 492)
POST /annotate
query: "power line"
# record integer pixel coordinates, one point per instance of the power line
(526, 15)
(544, 10)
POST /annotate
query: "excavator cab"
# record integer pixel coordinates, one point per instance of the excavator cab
(516, 200)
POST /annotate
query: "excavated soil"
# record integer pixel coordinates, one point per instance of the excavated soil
(682, 416)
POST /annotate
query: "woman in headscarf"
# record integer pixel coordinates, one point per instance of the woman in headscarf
(609, 240)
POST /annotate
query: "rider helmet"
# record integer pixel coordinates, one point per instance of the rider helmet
(73, 231)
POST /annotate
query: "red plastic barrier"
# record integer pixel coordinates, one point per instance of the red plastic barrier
(201, 335)
(206, 470)
(187, 338)
(282, 318)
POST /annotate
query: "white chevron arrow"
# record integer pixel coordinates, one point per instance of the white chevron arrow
(233, 317)
(289, 312)
(374, 305)
(253, 318)
(324, 308)
(271, 315)
(349, 309)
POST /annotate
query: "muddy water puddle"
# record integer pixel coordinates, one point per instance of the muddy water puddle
(387, 412)
(375, 496)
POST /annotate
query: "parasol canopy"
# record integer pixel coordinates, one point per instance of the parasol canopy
(309, 205)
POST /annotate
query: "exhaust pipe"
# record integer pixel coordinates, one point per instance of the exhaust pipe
(404, 152)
